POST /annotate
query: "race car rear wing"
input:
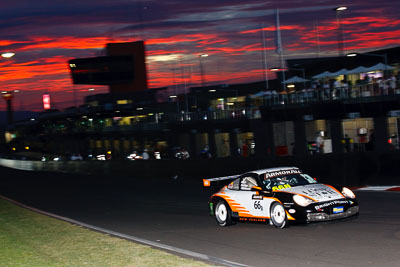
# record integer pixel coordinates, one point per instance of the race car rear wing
(207, 182)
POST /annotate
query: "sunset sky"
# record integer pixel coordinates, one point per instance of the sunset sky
(45, 34)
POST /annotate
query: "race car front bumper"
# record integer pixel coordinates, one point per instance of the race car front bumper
(322, 216)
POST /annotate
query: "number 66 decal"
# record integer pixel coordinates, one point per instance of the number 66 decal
(257, 205)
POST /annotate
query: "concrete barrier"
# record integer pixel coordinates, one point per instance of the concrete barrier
(351, 169)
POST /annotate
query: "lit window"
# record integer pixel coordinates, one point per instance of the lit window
(122, 102)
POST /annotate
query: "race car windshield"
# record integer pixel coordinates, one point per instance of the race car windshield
(287, 181)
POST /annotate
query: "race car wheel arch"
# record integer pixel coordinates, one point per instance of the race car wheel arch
(278, 215)
(223, 213)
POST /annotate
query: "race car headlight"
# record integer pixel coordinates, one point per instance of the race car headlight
(302, 201)
(348, 193)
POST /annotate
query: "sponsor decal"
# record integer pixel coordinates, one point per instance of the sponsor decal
(288, 205)
(257, 197)
(252, 219)
(332, 203)
(337, 210)
(292, 211)
(321, 192)
(280, 173)
(280, 187)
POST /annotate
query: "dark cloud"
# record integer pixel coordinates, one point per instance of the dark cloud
(46, 33)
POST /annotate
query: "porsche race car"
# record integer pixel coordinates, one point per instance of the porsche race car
(277, 196)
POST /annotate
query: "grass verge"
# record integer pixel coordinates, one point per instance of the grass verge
(31, 239)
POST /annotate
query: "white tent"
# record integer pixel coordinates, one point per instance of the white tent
(358, 70)
(295, 79)
(340, 72)
(380, 66)
(323, 75)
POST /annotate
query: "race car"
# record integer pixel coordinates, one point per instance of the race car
(277, 196)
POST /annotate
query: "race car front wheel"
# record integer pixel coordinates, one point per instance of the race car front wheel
(223, 213)
(278, 215)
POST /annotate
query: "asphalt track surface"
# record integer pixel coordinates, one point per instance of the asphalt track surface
(175, 213)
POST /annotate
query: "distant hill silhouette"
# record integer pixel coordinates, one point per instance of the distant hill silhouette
(18, 116)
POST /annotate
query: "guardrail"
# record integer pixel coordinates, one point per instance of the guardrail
(351, 169)
(234, 113)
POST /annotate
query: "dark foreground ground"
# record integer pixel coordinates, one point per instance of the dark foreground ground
(175, 213)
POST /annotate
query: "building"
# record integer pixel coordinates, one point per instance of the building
(239, 120)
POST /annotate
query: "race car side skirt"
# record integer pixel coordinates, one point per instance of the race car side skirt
(252, 219)
(240, 214)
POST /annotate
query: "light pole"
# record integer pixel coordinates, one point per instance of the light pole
(8, 95)
(184, 84)
(340, 28)
(203, 81)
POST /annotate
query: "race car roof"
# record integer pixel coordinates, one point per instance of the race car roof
(263, 171)
(207, 182)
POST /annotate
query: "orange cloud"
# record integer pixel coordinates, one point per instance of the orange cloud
(67, 42)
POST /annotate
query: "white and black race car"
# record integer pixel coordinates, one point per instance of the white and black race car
(279, 195)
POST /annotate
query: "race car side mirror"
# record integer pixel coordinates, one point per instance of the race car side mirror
(256, 188)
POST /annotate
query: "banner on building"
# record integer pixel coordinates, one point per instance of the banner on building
(46, 101)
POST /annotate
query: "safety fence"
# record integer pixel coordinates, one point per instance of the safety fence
(351, 169)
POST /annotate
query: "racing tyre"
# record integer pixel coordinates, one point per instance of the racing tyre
(223, 213)
(278, 215)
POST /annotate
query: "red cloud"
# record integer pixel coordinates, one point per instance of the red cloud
(52, 73)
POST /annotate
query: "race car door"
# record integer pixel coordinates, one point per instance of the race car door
(248, 203)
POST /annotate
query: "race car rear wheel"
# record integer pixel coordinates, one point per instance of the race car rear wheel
(278, 215)
(223, 213)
